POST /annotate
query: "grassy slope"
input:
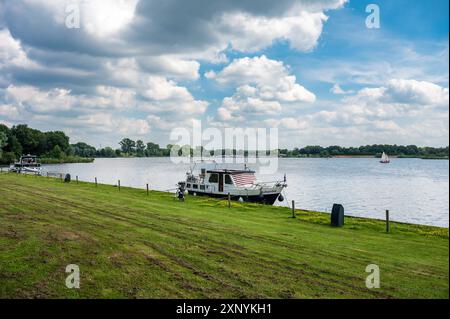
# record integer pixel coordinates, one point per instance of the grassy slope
(130, 245)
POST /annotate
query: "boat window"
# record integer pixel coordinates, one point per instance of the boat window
(228, 180)
(188, 185)
(195, 186)
(202, 187)
(214, 178)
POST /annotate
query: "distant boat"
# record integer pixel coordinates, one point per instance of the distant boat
(27, 164)
(385, 159)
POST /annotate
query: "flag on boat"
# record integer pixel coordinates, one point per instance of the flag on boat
(242, 179)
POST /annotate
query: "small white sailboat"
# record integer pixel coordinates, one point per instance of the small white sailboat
(385, 159)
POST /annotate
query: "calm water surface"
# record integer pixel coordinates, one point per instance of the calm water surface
(414, 190)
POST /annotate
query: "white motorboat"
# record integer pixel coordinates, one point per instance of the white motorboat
(27, 164)
(240, 185)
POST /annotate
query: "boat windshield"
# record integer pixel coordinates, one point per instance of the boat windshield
(28, 160)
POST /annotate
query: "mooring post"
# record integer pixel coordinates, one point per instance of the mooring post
(77, 179)
(60, 176)
(118, 184)
(96, 182)
(293, 209)
(388, 225)
(229, 200)
(147, 189)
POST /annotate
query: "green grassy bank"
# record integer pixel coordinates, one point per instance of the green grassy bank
(130, 245)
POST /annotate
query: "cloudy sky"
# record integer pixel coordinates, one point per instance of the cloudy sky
(313, 69)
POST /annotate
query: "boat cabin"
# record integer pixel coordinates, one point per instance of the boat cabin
(28, 161)
(219, 180)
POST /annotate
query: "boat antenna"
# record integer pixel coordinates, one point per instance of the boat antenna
(201, 151)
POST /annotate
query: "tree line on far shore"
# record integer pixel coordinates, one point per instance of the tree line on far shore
(54, 145)
(368, 150)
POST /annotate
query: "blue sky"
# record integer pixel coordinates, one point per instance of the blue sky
(311, 69)
(421, 25)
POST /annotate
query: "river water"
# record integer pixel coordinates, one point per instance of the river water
(414, 190)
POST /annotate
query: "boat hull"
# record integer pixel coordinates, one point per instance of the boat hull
(267, 199)
(25, 170)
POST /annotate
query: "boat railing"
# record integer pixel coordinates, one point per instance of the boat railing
(271, 183)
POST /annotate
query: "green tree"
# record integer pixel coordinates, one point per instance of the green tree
(140, 148)
(128, 146)
(312, 150)
(153, 149)
(3, 140)
(4, 129)
(4, 135)
(28, 138)
(107, 152)
(83, 150)
(56, 152)
(8, 158)
(13, 146)
(57, 138)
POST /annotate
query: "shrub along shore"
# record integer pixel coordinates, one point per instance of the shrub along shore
(130, 244)
(65, 160)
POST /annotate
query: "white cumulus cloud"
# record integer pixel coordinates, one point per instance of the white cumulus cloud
(263, 86)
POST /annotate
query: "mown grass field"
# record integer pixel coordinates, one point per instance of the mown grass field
(130, 245)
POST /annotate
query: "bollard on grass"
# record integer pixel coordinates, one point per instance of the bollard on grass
(147, 189)
(388, 223)
(293, 209)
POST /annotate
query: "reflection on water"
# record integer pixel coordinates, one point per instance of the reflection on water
(414, 190)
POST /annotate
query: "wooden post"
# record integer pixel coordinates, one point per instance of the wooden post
(77, 179)
(388, 225)
(293, 209)
(96, 182)
(47, 174)
(60, 176)
(147, 189)
(229, 200)
(118, 184)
